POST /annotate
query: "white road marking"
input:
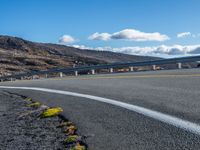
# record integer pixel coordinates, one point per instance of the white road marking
(177, 122)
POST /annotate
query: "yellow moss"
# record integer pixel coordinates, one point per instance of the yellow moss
(52, 112)
(71, 139)
(71, 130)
(35, 104)
(78, 147)
(65, 124)
(28, 99)
(72, 127)
(69, 123)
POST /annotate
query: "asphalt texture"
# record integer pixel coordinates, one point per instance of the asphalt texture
(173, 92)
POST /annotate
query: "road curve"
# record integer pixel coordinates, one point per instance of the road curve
(173, 92)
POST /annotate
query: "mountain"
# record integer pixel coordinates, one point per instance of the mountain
(19, 55)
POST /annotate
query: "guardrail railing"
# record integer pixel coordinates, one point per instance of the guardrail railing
(75, 70)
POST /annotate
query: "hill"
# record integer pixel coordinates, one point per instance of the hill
(19, 55)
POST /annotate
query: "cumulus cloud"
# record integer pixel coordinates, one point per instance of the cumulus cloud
(100, 36)
(136, 35)
(196, 51)
(162, 50)
(184, 35)
(130, 34)
(66, 39)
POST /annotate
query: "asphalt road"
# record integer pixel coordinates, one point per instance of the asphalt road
(173, 92)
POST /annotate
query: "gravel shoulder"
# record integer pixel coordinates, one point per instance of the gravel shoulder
(21, 128)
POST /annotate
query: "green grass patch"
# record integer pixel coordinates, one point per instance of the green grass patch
(35, 104)
(78, 147)
(71, 139)
(65, 124)
(28, 99)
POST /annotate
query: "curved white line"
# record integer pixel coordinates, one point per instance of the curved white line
(177, 122)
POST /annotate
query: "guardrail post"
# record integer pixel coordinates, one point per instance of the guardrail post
(22, 78)
(76, 73)
(131, 69)
(179, 65)
(46, 75)
(93, 71)
(111, 70)
(11, 79)
(61, 74)
(1, 80)
(154, 67)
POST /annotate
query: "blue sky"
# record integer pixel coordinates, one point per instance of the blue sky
(128, 26)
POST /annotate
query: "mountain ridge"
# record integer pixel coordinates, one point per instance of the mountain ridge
(19, 55)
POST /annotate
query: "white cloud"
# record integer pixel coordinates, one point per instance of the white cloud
(100, 36)
(184, 35)
(130, 34)
(136, 35)
(81, 46)
(160, 51)
(66, 39)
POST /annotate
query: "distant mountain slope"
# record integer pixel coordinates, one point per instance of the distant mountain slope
(19, 55)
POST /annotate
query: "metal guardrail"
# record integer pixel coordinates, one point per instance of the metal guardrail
(108, 66)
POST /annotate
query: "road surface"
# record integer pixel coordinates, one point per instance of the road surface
(172, 92)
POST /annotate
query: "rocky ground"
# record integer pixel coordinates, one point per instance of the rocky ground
(18, 56)
(22, 128)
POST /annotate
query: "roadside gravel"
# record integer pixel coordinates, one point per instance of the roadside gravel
(21, 130)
